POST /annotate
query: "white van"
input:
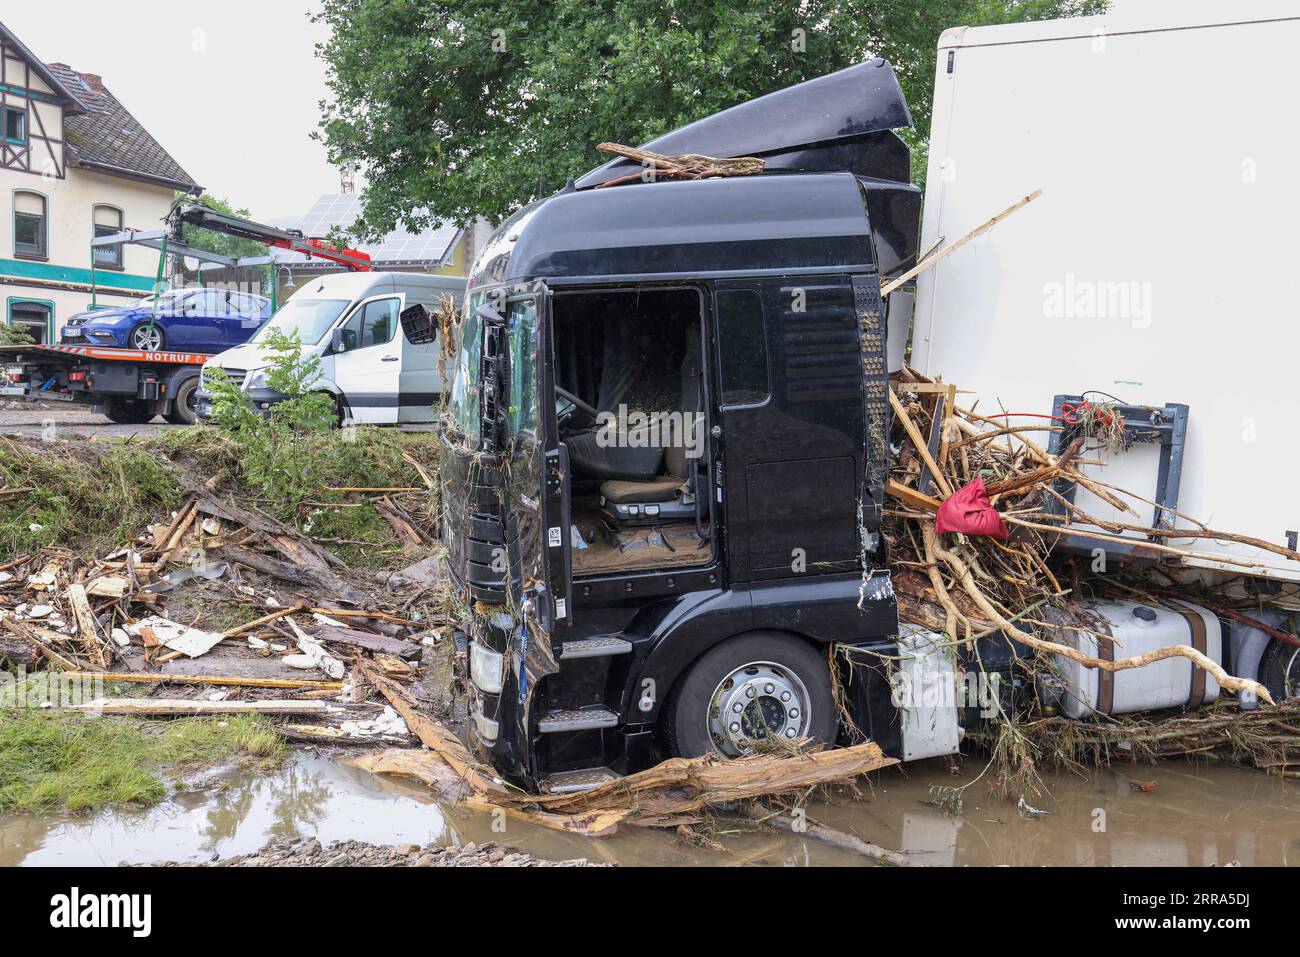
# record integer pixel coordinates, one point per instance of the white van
(351, 321)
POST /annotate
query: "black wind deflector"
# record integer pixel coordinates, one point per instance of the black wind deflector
(828, 113)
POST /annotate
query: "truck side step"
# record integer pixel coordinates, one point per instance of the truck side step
(566, 782)
(595, 648)
(577, 720)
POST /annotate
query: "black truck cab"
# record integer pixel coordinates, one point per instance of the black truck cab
(666, 445)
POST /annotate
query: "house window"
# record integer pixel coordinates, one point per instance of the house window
(30, 225)
(15, 125)
(108, 220)
(34, 317)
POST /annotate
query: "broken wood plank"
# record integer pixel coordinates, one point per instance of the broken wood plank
(433, 735)
(973, 234)
(378, 489)
(359, 613)
(259, 622)
(87, 624)
(921, 446)
(911, 496)
(188, 706)
(324, 734)
(366, 639)
(18, 652)
(325, 583)
(233, 681)
(783, 820)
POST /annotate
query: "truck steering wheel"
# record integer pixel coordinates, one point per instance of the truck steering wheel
(564, 412)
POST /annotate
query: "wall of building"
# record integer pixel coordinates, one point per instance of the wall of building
(64, 278)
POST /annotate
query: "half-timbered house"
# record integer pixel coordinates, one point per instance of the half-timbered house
(74, 164)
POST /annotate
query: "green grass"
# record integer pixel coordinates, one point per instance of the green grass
(372, 458)
(89, 497)
(92, 497)
(52, 760)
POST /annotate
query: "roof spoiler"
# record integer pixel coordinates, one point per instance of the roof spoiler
(809, 125)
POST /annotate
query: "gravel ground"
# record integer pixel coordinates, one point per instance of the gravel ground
(308, 852)
(34, 418)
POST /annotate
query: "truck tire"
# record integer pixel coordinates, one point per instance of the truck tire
(750, 687)
(185, 405)
(129, 411)
(1279, 670)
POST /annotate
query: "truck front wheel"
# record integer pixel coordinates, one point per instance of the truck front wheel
(185, 403)
(749, 691)
(129, 411)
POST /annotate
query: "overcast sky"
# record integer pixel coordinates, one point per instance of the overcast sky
(237, 115)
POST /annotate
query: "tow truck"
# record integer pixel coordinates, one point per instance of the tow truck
(131, 386)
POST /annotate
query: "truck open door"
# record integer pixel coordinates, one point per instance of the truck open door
(532, 414)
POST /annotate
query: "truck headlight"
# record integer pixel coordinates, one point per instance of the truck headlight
(488, 730)
(256, 380)
(486, 668)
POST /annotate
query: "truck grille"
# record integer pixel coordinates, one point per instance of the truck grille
(236, 376)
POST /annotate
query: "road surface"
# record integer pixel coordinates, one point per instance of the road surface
(52, 422)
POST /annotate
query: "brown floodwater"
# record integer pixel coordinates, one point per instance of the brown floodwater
(1191, 815)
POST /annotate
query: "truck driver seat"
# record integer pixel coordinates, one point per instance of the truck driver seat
(669, 497)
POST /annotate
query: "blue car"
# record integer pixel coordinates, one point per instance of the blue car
(188, 320)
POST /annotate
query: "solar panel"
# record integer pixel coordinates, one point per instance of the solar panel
(340, 210)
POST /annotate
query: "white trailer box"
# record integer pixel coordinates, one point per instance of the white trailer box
(1160, 262)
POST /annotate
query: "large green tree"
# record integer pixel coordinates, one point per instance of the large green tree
(454, 109)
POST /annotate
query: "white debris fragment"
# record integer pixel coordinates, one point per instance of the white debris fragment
(6, 577)
(190, 642)
(257, 644)
(323, 660)
(390, 722)
(41, 579)
(120, 636)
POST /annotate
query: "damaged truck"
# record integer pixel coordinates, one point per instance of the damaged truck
(679, 406)
(666, 449)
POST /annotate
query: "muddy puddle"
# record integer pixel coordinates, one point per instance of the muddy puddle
(1188, 815)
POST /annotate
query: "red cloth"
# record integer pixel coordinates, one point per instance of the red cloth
(968, 511)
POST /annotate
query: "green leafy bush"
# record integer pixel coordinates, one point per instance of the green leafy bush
(274, 445)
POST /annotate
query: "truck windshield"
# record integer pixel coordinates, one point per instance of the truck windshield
(465, 386)
(311, 318)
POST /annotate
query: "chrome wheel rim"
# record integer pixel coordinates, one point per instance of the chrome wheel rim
(1290, 680)
(149, 340)
(758, 701)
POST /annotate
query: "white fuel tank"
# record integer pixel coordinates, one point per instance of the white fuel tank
(1137, 629)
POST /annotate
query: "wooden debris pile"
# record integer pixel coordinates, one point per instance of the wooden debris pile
(295, 623)
(967, 586)
(1265, 738)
